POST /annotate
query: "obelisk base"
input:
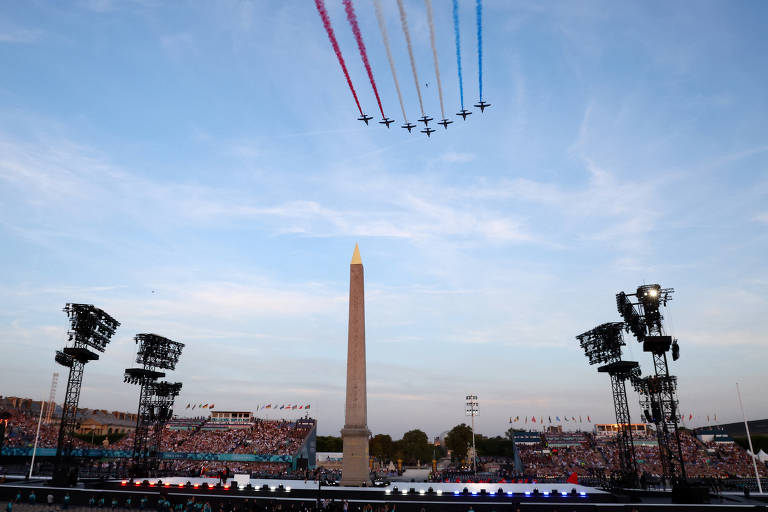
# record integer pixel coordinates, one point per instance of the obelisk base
(355, 471)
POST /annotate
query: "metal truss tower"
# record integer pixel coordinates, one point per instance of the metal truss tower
(659, 391)
(52, 399)
(90, 327)
(156, 398)
(603, 345)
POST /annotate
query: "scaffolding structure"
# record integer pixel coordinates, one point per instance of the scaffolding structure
(643, 318)
(156, 398)
(90, 328)
(603, 345)
(51, 405)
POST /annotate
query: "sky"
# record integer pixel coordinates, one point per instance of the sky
(196, 170)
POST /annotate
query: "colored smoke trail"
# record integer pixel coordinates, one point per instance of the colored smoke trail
(480, 46)
(434, 54)
(404, 23)
(329, 29)
(458, 49)
(383, 28)
(359, 37)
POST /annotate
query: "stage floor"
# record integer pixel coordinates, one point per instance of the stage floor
(421, 488)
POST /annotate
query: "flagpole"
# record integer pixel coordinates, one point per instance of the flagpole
(749, 438)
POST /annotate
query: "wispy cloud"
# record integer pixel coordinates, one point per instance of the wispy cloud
(19, 35)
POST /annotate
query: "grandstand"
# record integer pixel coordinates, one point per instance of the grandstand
(189, 446)
(199, 446)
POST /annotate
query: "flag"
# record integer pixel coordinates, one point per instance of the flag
(690, 417)
(541, 419)
(295, 407)
(268, 406)
(301, 407)
(211, 407)
(526, 420)
(282, 407)
(715, 416)
(573, 418)
(533, 419)
(589, 420)
(188, 406)
(307, 407)
(557, 418)
(707, 418)
(550, 419)
(580, 419)
(205, 406)
(200, 406)
(193, 407)
(566, 418)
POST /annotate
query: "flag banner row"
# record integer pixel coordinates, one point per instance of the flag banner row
(580, 419)
(550, 419)
(200, 406)
(274, 407)
(286, 407)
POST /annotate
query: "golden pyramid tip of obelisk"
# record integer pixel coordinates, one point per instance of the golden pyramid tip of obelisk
(356, 257)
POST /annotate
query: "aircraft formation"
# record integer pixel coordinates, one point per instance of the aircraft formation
(385, 120)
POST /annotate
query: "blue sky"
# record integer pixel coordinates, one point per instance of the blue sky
(196, 169)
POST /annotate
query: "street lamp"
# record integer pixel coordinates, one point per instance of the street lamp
(472, 410)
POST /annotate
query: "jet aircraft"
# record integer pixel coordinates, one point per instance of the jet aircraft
(464, 113)
(429, 131)
(482, 105)
(424, 119)
(387, 121)
(365, 118)
(408, 126)
(445, 123)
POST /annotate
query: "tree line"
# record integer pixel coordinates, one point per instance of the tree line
(415, 445)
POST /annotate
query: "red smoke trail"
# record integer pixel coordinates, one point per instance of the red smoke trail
(359, 37)
(328, 28)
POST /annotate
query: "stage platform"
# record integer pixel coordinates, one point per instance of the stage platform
(407, 496)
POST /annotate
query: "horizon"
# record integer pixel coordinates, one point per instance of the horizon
(197, 170)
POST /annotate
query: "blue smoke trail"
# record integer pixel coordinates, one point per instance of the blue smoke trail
(458, 49)
(480, 45)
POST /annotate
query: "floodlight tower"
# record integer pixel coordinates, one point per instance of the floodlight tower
(90, 327)
(472, 410)
(659, 391)
(52, 399)
(603, 345)
(155, 398)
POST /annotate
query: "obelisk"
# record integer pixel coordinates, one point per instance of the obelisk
(355, 433)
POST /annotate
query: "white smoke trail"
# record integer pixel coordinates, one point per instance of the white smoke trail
(383, 28)
(434, 54)
(404, 22)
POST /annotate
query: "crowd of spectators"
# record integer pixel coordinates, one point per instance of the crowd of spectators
(269, 437)
(594, 456)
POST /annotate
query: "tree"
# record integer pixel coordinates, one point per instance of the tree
(494, 446)
(458, 440)
(415, 446)
(329, 444)
(381, 447)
